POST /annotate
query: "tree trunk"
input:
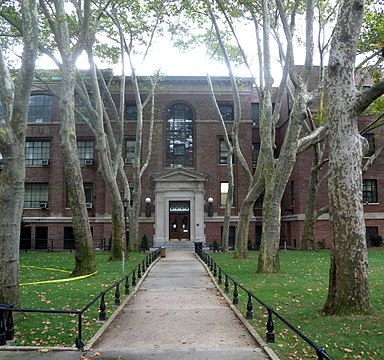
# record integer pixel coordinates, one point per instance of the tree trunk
(270, 239)
(228, 203)
(85, 261)
(308, 239)
(135, 213)
(11, 207)
(12, 146)
(245, 214)
(348, 287)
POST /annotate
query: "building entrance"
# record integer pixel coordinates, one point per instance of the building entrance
(179, 204)
(179, 221)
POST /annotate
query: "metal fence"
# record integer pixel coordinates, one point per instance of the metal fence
(221, 275)
(59, 244)
(130, 279)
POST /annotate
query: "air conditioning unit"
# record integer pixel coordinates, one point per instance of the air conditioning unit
(88, 205)
(127, 161)
(43, 205)
(45, 162)
(88, 162)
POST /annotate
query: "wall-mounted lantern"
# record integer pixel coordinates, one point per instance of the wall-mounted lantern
(210, 206)
(148, 207)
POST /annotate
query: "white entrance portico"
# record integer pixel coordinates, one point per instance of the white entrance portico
(179, 204)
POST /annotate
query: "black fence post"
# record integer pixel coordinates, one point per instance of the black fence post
(214, 269)
(249, 313)
(134, 278)
(3, 340)
(139, 271)
(220, 278)
(235, 295)
(270, 327)
(102, 312)
(126, 286)
(143, 266)
(9, 332)
(79, 343)
(117, 295)
(226, 284)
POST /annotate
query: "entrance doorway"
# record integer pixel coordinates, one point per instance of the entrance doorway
(179, 221)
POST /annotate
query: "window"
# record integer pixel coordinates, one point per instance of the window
(255, 110)
(36, 195)
(371, 232)
(129, 151)
(88, 191)
(255, 153)
(85, 151)
(40, 108)
(371, 142)
(37, 152)
(370, 191)
(223, 153)
(69, 238)
(130, 112)
(80, 109)
(179, 136)
(259, 201)
(226, 110)
(224, 186)
(292, 193)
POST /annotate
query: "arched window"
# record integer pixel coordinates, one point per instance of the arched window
(40, 108)
(179, 136)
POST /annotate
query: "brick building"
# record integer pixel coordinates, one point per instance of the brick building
(184, 186)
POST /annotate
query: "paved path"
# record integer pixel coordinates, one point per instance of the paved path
(176, 314)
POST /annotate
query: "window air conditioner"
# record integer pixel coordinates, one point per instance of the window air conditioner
(43, 205)
(45, 162)
(128, 161)
(88, 162)
(88, 205)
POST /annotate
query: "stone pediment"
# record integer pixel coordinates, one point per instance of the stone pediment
(179, 175)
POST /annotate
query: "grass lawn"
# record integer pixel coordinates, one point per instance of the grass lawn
(298, 294)
(34, 329)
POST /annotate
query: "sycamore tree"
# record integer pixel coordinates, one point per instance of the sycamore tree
(15, 88)
(272, 173)
(67, 29)
(131, 27)
(348, 283)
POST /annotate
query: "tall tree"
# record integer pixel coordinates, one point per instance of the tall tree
(133, 25)
(348, 283)
(14, 96)
(70, 48)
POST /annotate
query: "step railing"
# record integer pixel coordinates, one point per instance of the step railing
(221, 276)
(7, 310)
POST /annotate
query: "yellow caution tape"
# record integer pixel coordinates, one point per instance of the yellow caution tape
(59, 280)
(44, 268)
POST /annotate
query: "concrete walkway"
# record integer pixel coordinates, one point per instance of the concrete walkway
(177, 313)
